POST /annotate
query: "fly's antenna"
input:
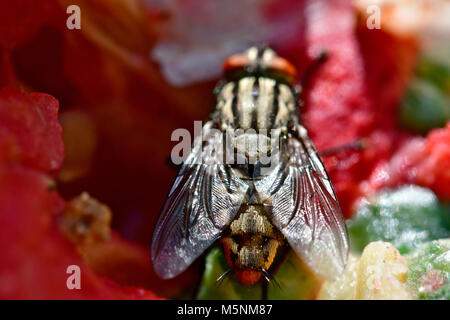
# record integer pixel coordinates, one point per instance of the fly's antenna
(269, 278)
(222, 277)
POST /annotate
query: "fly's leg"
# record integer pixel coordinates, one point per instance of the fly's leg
(321, 58)
(318, 61)
(357, 145)
(265, 287)
(310, 70)
(278, 262)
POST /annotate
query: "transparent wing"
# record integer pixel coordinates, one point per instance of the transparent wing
(305, 208)
(204, 199)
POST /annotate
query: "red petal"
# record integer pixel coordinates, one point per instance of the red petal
(30, 133)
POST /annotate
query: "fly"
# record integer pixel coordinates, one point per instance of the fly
(254, 210)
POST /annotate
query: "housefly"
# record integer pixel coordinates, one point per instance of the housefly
(254, 208)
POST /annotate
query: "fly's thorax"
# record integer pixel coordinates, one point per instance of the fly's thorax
(252, 243)
(255, 103)
(255, 111)
(251, 145)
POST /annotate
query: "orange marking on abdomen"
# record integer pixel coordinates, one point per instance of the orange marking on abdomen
(248, 276)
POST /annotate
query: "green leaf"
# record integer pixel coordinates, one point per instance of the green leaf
(437, 71)
(424, 107)
(429, 270)
(296, 281)
(406, 217)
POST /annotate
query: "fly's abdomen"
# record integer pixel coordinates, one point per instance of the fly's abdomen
(252, 243)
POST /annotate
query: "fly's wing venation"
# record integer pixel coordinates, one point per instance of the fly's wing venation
(305, 208)
(204, 199)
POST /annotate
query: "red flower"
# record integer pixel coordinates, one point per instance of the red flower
(34, 252)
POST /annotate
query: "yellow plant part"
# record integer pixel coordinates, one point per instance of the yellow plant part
(379, 274)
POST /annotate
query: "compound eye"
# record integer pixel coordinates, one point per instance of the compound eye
(236, 61)
(236, 67)
(283, 66)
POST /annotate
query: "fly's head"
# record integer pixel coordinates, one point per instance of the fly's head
(259, 61)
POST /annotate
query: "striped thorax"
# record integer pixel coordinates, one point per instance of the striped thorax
(256, 100)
